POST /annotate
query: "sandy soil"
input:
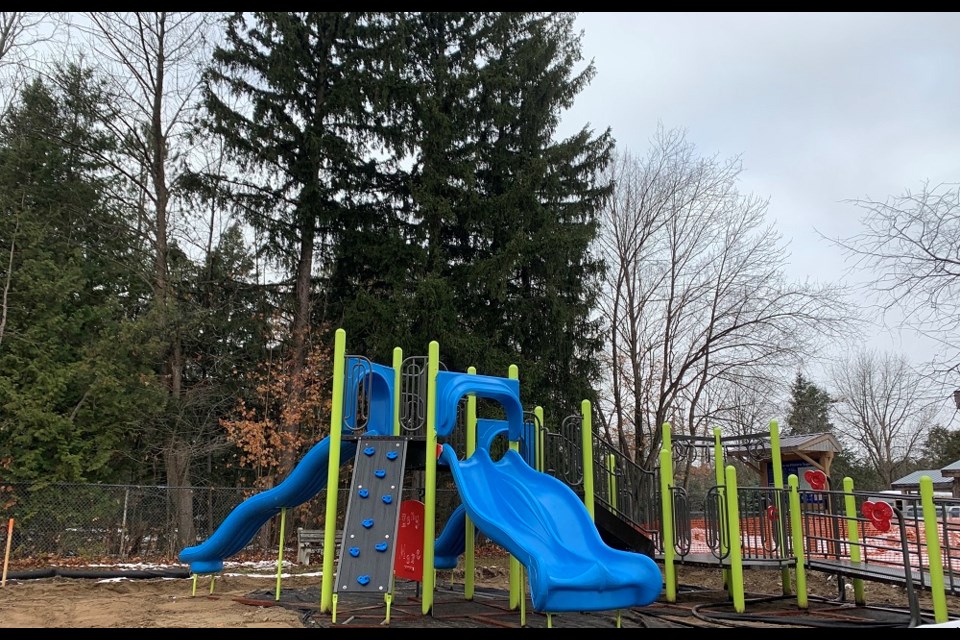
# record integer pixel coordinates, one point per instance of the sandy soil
(167, 603)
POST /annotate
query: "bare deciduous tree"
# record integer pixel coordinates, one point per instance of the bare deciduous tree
(23, 35)
(696, 294)
(882, 409)
(155, 62)
(911, 245)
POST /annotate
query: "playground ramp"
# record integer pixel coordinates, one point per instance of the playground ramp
(239, 527)
(545, 525)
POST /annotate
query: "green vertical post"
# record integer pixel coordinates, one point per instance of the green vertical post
(538, 411)
(718, 469)
(515, 585)
(333, 470)
(612, 479)
(586, 438)
(853, 535)
(469, 552)
(931, 529)
(283, 533)
(736, 560)
(430, 506)
(666, 504)
(397, 378)
(666, 480)
(796, 531)
(778, 485)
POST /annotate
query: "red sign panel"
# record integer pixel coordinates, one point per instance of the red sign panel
(408, 560)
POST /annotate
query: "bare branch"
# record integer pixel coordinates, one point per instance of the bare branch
(696, 299)
(883, 409)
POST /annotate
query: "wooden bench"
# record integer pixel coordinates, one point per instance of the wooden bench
(310, 541)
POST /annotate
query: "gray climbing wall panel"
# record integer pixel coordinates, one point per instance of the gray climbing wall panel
(370, 525)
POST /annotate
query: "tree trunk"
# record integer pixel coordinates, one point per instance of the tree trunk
(300, 334)
(176, 458)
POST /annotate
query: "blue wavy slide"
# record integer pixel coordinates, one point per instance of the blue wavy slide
(239, 527)
(544, 524)
(452, 541)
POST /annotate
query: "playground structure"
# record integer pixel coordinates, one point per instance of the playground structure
(544, 524)
(580, 519)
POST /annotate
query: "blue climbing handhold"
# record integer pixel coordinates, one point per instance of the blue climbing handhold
(387, 499)
(367, 523)
(364, 580)
(381, 546)
(369, 451)
(392, 455)
(364, 493)
(355, 552)
(380, 473)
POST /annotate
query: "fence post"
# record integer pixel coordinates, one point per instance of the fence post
(516, 585)
(612, 479)
(123, 522)
(796, 530)
(6, 554)
(666, 505)
(853, 537)
(777, 464)
(283, 532)
(736, 559)
(586, 437)
(470, 540)
(932, 531)
(333, 471)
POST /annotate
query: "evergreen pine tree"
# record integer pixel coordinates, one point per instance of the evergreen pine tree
(809, 408)
(70, 393)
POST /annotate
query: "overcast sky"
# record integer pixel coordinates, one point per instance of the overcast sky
(822, 108)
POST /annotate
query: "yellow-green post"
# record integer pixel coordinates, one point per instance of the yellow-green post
(538, 412)
(430, 506)
(283, 532)
(397, 377)
(612, 479)
(586, 438)
(666, 502)
(718, 469)
(736, 560)
(853, 535)
(515, 582)
(469, 552)
(778, 485)
(796, 531)
(333, 470)
(932, 531)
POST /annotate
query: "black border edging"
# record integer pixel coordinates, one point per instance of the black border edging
(52, 572)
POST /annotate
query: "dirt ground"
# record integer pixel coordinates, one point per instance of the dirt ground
(167, 603)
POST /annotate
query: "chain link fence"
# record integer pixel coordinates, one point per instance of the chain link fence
(125, 522)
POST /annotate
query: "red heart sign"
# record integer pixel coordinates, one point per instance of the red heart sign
(816, 479)
(879, 514)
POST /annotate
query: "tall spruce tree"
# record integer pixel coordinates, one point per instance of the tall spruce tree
(290, 95)
(809, 408)
(504, 213)
(411, 160)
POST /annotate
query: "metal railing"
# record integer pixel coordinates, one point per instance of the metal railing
(894, 542)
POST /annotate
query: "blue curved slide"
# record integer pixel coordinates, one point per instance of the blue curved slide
(544, 524)
(452, 541)
(239, 527)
